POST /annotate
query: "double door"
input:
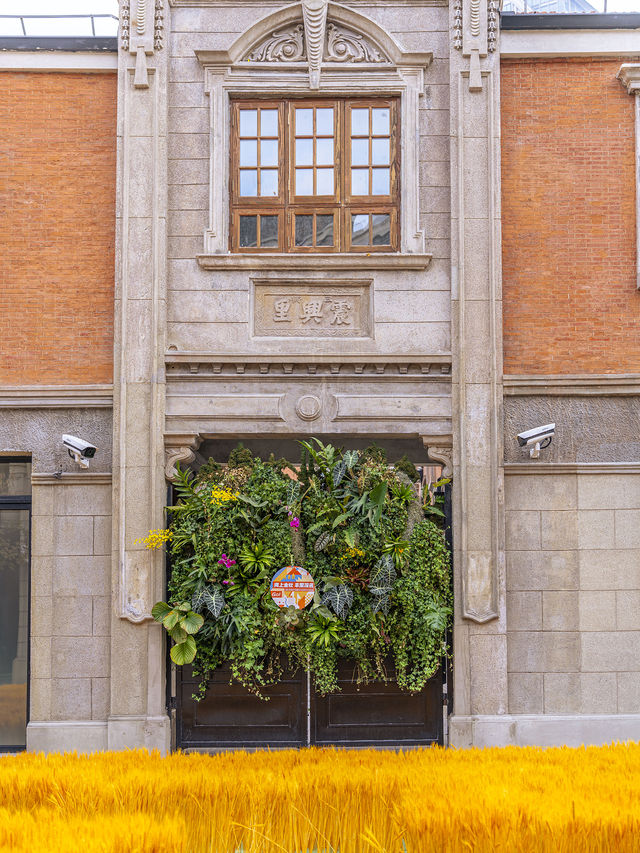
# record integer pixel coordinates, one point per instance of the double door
(295, 715)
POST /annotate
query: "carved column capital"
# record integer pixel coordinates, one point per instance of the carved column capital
(179, 447)
(439, 449)
(629, 76)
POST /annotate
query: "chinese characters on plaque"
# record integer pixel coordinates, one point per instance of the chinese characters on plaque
(330, 312)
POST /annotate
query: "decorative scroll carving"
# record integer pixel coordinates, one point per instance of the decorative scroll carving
(158, 25)
(125, 24)
(282, 46)
(314, 15)
(344, 45)
(442, 455)
(493, 24)
(179, 448)
(457, 24)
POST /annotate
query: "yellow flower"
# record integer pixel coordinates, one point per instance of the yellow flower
(155, 539)
(222, 496)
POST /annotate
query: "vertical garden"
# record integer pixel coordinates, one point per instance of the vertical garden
(356, 546)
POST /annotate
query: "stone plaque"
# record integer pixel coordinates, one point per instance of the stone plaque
(318, 310)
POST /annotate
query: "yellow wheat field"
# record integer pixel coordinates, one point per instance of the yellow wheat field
(556, 800)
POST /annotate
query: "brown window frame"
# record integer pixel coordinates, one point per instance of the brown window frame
(342, 203)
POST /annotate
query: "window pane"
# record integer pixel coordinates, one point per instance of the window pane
(324, 152)
(360, 230)
(304, 152)
(380, 121)
(268, 182)
(324, 122)
(249, 231)
(359, 122)
(248, 182)
(304, 230)
(15, 479)
(304, 181)
(324, 230)
(381, 227)
(248, 152)
(359, 182)
(14, 618)
(359, 152)
(269, 152)
(381, 182)
(324, 182)
(248, 122)
(304, 122)
(380, 152)
(269, 232)
(268, 122)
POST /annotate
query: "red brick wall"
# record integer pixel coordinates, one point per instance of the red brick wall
(57, 223)
(568, 218)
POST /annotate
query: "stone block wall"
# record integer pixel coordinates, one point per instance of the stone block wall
(573, 592)
(70, 612)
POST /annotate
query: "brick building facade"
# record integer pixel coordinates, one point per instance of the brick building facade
(504, 297)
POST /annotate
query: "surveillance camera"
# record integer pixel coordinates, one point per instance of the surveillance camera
(79, 449)
(537, 439)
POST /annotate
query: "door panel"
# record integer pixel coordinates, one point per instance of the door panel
(378, 714)
(230, 716)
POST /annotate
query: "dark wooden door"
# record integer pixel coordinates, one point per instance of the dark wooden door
(378, 714)
(295, 715)
(230, 716)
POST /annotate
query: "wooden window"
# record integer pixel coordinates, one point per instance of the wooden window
(315, 176)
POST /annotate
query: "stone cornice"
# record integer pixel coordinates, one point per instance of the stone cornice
(629, 76)
(555, 468)
(315, 262)
(56, 396)
(576, 385)
(197, 366)
(90, 478)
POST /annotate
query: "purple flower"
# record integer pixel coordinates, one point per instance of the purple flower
(295, 522)
(226, 562)
(228, 582)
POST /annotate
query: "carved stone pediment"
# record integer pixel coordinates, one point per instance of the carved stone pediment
(294, 44)
(318, 41)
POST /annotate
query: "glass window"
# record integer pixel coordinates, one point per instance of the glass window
(15, 491)
(306, 161)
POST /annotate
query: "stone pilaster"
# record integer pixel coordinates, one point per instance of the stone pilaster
(480, 680)
(137, 695)
(629, 76)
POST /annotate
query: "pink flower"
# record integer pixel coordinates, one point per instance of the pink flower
(226, 562)
(295, 522)
(228, 582)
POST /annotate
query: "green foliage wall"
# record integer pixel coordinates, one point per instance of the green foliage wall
(378, 559)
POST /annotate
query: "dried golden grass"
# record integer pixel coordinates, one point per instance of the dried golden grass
(520, 800)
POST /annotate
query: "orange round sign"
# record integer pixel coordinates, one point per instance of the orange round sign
(292, 586)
